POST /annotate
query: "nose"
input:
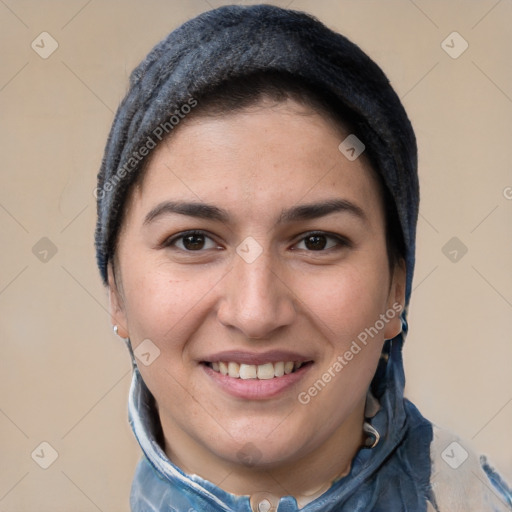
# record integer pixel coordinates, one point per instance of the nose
(256, 300)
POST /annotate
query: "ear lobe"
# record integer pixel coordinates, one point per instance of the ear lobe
(117, 312)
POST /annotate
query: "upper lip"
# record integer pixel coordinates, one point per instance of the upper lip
(271, 356)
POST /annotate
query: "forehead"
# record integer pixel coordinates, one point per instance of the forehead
(263, 156)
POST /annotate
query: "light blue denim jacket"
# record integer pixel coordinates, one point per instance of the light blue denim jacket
(414, 467)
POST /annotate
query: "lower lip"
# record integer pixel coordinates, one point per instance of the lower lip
(256, 389)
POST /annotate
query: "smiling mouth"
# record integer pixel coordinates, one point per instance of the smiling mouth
(264, 371)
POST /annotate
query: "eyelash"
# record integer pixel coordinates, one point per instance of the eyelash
(341, 241)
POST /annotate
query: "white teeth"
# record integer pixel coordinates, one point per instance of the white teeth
(223, 367)
(251, 371)
(266, 371)
(279, 369)
(247, 371)
(233, 370)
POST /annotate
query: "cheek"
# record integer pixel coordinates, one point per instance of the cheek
(345, 299)
(346, 306)
(162, 304)
(154, 299)
(167, 309)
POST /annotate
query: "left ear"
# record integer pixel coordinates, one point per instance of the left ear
(396, 300)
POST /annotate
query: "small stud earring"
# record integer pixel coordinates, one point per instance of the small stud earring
(116, 331)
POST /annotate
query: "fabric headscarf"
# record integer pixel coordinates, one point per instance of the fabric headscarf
(239, 40)
(234, 41)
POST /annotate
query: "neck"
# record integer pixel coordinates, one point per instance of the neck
(304, 477)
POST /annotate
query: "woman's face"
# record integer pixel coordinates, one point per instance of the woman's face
(286, 264)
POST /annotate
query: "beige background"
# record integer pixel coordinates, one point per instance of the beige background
(64, 376)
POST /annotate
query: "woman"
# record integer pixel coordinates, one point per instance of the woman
(257, 208)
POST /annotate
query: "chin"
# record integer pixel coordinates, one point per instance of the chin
(265, 451)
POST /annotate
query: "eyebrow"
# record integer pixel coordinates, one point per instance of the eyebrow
(297, 213)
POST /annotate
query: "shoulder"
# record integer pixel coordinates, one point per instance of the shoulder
(463, 481)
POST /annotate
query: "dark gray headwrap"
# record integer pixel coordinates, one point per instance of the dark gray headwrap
(233, 41)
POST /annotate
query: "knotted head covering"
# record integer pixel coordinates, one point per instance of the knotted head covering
(236, 41)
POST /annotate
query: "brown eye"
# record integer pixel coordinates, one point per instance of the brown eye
(315, 242)
(193, 242)
(322, 242)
